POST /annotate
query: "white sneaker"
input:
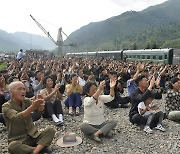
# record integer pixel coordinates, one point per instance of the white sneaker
(147, 129)
(160, 127)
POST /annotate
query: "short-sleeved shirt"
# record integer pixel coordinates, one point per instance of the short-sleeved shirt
(19, 55)
(141, 105)
(19, 127)
(75, 89)
(45, 92)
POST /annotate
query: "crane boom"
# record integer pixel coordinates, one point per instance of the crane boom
(59, 41)
(42, 28)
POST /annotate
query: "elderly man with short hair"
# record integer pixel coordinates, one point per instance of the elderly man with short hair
(23, 136)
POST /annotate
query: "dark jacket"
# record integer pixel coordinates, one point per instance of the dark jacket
(138, 96)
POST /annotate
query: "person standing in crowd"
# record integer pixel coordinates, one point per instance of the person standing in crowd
(52, 97)
(20, 55)
(94, 124)
(23, 136)
(172, 106)
(144, 91)
(73, 90)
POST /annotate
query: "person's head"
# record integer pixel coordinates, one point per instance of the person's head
(48, 82)
(142, 82)
(21, 50)
(113, 75)
(12, 79)
(144, 72)
(177, 75)
(74, 78)
(17, 91)
(90, 88)
(148, 101)
(104, 71)
(38, 75)
(175, 84)
(80, 72)
(2, 80)
(132, 73)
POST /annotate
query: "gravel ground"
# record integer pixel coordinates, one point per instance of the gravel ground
(127, 139)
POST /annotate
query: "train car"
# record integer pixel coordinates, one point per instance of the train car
(163, 56)
(176, 56)
(111, 54)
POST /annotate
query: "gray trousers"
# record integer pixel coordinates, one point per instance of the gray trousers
(26, 147)
(174, 115)
(105, 127)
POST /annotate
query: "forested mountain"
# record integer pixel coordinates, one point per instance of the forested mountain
(154, 27)
(18, 40)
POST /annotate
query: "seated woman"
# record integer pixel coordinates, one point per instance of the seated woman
(172, 106)
(73, 91)
(52, 98)
(94, 123)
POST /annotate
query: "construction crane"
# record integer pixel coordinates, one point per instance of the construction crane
(59, 41)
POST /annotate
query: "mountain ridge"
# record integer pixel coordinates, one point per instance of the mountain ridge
(127, 29)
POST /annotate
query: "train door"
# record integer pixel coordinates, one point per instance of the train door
(170, 59)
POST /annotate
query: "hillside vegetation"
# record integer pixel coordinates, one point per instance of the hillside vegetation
(155, 27)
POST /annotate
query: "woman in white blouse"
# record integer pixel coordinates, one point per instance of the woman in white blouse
(94, 124)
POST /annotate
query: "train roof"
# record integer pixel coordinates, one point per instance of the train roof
(147, 51)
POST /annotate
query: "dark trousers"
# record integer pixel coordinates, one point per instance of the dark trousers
(117, 101)
(2, 119)
(138, 119)
(154, 119)
(73, 100)
(52, 108)
(35, 116)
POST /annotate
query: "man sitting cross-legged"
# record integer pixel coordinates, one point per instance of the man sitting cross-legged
(23, 136)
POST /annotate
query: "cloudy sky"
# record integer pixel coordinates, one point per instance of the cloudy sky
(68, 14)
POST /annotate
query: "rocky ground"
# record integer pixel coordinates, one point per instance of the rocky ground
(127, 139)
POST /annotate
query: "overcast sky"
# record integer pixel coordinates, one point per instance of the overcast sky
(68, 14)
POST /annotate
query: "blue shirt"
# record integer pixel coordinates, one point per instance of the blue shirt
(19, 55)
(131, 87)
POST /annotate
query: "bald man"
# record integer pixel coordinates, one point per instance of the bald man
(23, 136)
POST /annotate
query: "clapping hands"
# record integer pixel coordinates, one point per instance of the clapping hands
(112, 83)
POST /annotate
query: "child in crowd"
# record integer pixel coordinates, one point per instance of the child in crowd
(153, 119)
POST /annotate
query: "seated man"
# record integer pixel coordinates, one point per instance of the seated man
(144, 91)
(23, 136)
(118, 101)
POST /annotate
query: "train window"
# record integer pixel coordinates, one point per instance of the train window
(160, 57)
(143, 56)
(148, 57)
(134, 56)
(129, 56)
(154, 57)
(165, 57)
(138, 57)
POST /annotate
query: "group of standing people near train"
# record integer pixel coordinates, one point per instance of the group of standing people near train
(33, 87)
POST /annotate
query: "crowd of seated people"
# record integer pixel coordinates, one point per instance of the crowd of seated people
(102, 81)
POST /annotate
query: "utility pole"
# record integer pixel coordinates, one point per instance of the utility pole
(60, 42)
